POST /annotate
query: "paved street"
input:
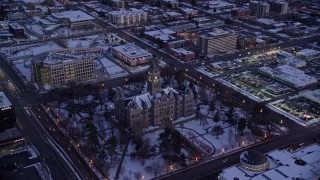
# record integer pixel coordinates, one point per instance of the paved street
(65, 163)
(207, 170)
(46, 142)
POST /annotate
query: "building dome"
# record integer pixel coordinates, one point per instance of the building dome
(254, 161)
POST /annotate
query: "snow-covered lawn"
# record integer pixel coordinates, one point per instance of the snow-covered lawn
(200, 132)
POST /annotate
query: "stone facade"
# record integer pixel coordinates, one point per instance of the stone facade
(155, 107)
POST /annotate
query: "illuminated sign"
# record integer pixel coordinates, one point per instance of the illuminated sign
(6, 108)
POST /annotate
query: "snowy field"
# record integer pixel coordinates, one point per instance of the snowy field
(201, 132)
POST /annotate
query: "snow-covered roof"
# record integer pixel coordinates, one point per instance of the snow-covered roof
(182, 51)
(173, 14)
(308, 52)
(218, 32)
(4, 101)
(73, 16)
(163, 34)
(144, 100)
(312, 95)
(303, 164)
(218, 3)
(71, 55)
(16, 26)
(265, 21)
(159, 32)
(131, 12)
(290, 75)
(132, 51)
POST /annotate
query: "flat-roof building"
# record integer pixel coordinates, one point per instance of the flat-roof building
(301, 164)
(7, 114)
(218, 41)
(288, 75)
(279, 7)
(128, 17)
(62, 67)
(312, 95)
(76, 19)
(132, 54)
(17, 30)
(183, 54)
(289, 59)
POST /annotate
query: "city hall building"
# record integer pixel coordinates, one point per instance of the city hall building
(157, 106)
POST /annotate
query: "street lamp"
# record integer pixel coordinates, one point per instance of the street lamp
(281, 121)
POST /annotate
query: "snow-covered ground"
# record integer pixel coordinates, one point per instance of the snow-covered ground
(201, 133)
(29, 50)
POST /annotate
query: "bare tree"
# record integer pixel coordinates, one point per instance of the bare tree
(137, 175)
(156, 167)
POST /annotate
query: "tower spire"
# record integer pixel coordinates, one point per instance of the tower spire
(154, 84)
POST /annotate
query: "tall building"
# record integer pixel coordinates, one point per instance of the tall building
(128, 17)
(259, 8)
(157, 106)
(7, 114)
(279, 7)
(218, 41)
(62, 67)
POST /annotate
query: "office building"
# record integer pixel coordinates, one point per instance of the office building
(259, 8)
(132, 54)
(7, 114)
(218, 41)
(63, 67)
(157, 106)
(279, 7)
(128, 17)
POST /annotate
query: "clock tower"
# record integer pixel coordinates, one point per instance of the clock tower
(154, 84)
